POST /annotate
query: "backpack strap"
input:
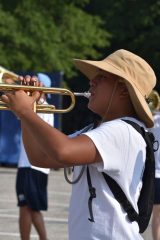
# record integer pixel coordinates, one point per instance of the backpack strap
(117, 192)
(113, 185)
(92, 189)
(92, 192)
(120, 195)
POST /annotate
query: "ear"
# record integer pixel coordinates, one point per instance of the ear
(123, 90)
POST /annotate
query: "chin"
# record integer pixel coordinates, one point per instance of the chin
(92, 108)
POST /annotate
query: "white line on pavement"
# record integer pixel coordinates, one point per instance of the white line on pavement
(47, 219)
(15, 234)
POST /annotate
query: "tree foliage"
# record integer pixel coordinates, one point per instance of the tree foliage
(133, 24)
(38, 35)
(47, 35)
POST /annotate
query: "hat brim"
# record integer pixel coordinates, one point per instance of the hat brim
(140, 105)
(91, 68)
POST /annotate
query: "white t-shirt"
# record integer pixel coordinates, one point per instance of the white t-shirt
(156, 132)
(23, 159)
(123, 152)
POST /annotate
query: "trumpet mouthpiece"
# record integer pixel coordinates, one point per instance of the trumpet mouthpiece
(84, 94)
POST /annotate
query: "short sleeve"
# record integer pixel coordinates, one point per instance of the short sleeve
(111, 140)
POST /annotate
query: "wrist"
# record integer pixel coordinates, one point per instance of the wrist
(25, 112)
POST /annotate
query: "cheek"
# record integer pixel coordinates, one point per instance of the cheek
(98, 102)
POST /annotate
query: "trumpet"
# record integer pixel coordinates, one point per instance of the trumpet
(39, 108)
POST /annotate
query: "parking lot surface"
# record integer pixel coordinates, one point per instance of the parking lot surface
(56, 216)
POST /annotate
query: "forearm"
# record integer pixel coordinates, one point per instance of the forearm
(58, 149)
(54, 147)
(34, 152)
(41, 142)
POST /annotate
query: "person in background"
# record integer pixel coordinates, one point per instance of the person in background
(119, 86)
(31, 184)
(156, 207)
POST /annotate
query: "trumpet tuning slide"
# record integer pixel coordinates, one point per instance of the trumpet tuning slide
(6, 74)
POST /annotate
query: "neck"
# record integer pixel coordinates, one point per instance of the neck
(125, 110)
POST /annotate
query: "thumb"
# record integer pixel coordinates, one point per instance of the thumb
(5, 98)
(36, 95)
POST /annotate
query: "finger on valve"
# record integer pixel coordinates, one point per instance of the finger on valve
(28, 80)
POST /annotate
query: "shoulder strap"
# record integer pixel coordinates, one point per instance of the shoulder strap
(121, 197)
(92, 192)
(116, 189)
(118, 192)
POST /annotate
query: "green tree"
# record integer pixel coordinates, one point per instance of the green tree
(46, 35)
(133, 24)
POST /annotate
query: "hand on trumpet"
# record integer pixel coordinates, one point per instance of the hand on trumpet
(19, 101)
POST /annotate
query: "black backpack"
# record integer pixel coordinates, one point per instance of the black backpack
(146, 198)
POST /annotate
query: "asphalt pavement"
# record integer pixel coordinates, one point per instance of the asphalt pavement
(56, 216)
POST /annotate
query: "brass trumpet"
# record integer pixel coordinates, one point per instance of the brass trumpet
(40, 108)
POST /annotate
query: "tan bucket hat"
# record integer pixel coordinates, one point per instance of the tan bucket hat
(136, 72)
